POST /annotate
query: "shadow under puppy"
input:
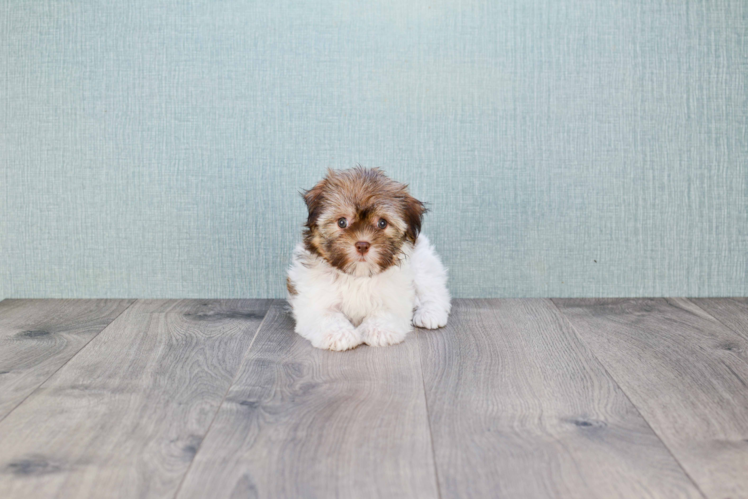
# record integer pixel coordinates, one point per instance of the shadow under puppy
(363, 274)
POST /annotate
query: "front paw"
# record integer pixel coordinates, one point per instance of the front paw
(339, 339)
(380, 335)
(430, 317)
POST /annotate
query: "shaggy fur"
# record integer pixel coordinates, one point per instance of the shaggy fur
(363, 269)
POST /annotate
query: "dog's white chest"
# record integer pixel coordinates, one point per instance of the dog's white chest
(362, 297)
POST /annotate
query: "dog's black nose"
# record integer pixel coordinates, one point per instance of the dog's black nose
(362, 247)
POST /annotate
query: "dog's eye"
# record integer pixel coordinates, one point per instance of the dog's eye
(382, 224)
(342, 223)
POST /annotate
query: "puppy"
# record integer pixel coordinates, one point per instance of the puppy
(363, 269)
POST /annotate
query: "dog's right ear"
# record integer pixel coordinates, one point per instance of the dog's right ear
(313, 199)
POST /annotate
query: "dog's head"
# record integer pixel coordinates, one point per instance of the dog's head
(360, 220)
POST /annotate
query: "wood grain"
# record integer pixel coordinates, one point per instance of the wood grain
(731, 312)
(37, 337)
(303, 422)
(687, 374)
(126, 416)
(520, 408)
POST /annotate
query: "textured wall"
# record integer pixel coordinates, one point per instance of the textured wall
(155, 148)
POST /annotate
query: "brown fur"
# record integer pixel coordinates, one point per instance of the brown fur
(363, 196)
(290, 286)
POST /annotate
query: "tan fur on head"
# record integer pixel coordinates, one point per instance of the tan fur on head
(363, 197)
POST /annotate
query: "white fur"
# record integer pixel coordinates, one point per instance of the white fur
(338, 311)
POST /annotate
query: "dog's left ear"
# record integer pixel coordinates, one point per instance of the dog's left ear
(313, 199)
(413, 211)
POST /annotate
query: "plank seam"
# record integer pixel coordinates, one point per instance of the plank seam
(225, 395)
(715, 318)
(428, 420)
(132, 302)
(605, 368)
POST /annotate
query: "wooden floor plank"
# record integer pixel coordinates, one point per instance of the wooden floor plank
(687, 374)
(731, 312)
(303, 422)
(520, 408)
(126, 415)
(37, 337)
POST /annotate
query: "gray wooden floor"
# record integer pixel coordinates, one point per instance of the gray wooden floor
(514, 398)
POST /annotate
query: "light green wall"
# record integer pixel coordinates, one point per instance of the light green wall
(566, 148)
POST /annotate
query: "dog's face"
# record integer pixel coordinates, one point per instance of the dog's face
(360, 220)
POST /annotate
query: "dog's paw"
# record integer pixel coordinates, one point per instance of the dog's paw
(340, 339)
(379, 335)
(430, 317)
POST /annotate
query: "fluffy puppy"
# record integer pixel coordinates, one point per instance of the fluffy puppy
(363, 274)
